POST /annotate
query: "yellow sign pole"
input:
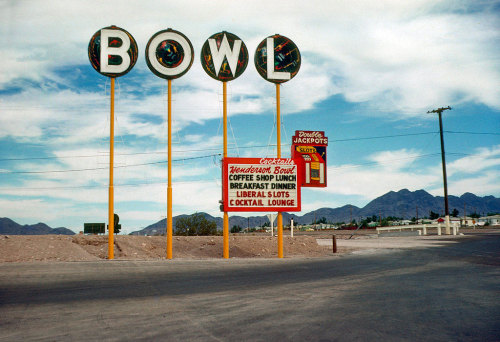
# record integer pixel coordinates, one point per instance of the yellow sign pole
(111, 216)
(278, 134)
(225, 228)
(169, 186)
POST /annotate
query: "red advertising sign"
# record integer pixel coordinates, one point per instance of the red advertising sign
(309, 150)
(310, 138)
(261, 184)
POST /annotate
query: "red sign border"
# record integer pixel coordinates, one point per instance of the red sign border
(244, 161)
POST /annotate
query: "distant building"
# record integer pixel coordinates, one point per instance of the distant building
(468, 221)
(454, 221)
(491, 220)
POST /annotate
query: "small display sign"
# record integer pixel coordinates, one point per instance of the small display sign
(309, 151)
(261, 184)
(93, 228)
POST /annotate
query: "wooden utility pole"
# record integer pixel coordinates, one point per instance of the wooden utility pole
(443, 160)
(465, 215)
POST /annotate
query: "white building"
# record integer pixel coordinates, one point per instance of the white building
(491, 220)
(468, 221)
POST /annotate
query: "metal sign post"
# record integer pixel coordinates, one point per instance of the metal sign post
(169, 55)
(225, 222)
(278, 150)
(277, 60)
(271, 218)
(224, 57)
(111, 210)
(112, 52)
(169, 170)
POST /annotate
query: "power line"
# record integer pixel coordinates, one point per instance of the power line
(104, 185)
(212, 149)
(131, 154)
(381, 137)
(240, 147)
(475, 133)
(191, 181)
(181, 182)
(387, 162)
(104, 168)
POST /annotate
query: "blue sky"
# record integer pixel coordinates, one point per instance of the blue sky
(370, 72)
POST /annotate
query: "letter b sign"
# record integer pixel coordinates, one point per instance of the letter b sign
(112, 51)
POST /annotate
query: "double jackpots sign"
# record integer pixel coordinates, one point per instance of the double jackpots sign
(261, 184)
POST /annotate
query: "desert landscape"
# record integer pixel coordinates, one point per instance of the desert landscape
(25, 248)
(54, 248)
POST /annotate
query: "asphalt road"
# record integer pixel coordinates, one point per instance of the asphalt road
(449, 293)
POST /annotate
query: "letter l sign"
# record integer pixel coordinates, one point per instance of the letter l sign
(271, 73)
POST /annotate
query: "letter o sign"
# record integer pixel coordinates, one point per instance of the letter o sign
(112, 51)
(169, 54)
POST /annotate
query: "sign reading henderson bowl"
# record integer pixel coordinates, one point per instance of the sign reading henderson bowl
(261, 184)
(224, 56)
(112, 51)
(277, 59)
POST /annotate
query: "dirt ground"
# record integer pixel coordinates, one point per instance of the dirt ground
(26, 248)
(22, 248)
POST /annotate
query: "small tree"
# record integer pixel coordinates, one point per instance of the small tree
(236, 229)
(321, 220)
(454, 213)
(195, 224)
(433, 215)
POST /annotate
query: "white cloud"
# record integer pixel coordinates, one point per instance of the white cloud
(400, 169)
(371, 182)
(397, 56)
(483, 184)
(484, 158)
(395, 160)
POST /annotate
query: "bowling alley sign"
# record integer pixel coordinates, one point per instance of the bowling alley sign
(261, 184)
(249, 184)
(274, 184)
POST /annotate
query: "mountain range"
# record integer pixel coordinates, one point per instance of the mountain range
(404, 203)
(9, 227)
